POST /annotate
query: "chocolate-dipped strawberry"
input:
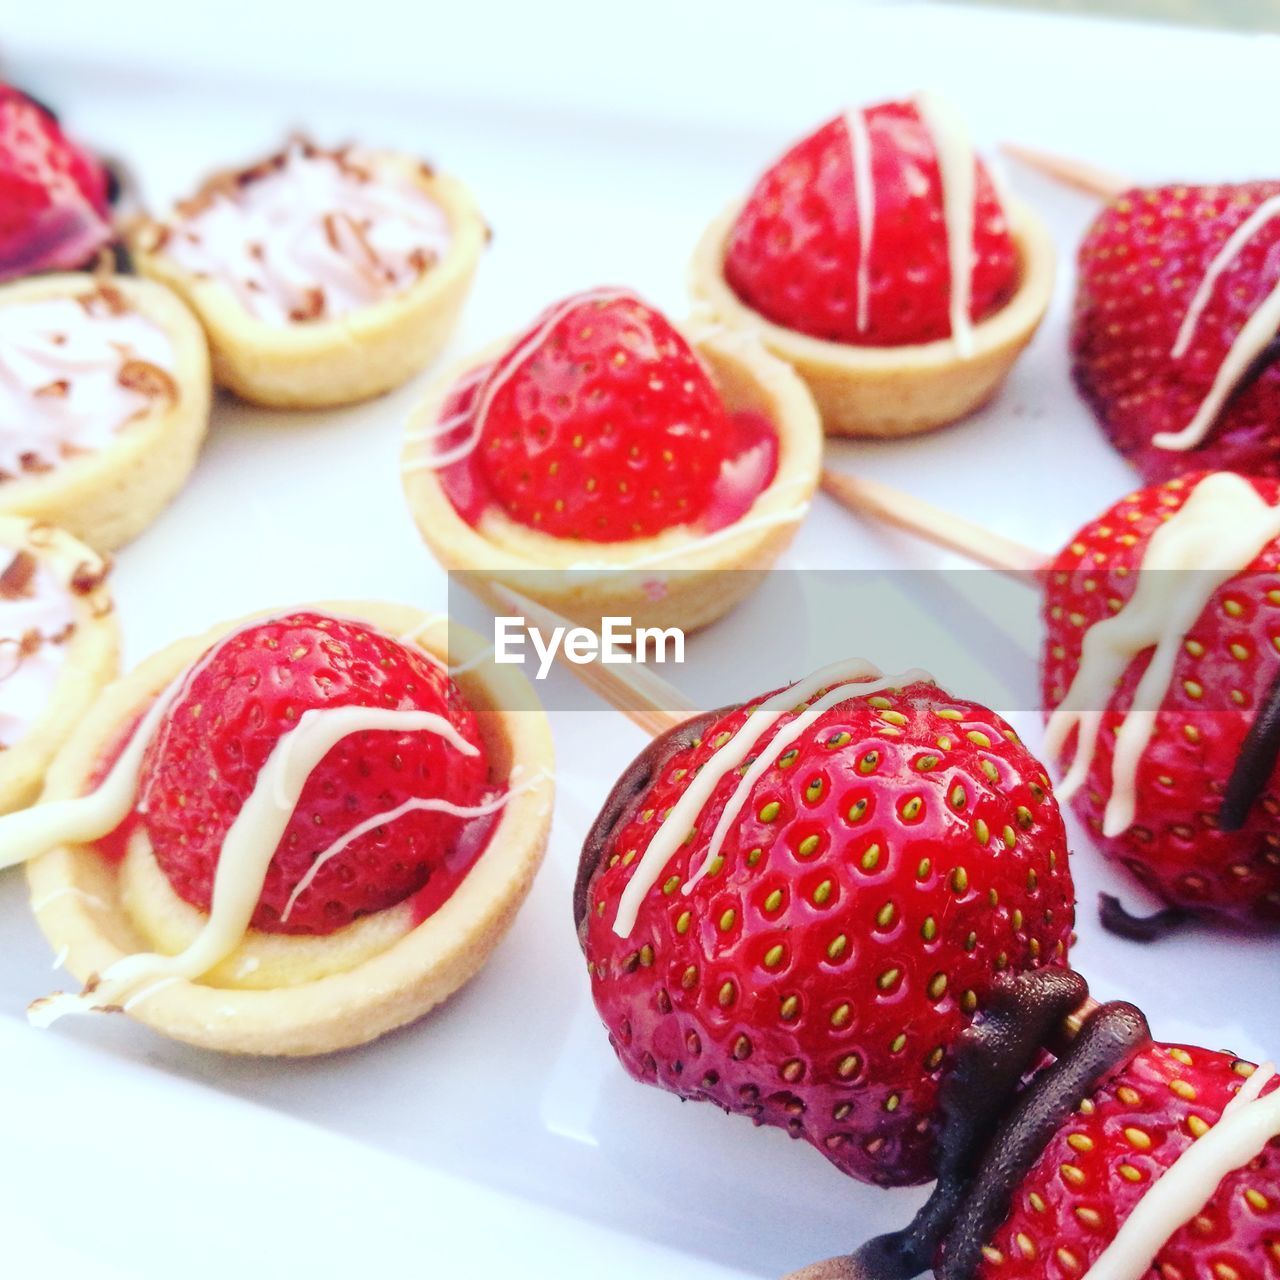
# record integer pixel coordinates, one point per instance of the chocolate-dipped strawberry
(1174, 340)
(794, 908)
(54, 196)
(1123, 1160)
(1162, 656)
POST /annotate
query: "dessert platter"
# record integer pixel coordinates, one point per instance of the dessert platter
(962, 885)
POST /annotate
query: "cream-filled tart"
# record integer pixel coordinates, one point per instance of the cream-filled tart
(879, 258)
(59, 646)
(603, 462)
(322, 277)
(291, 834)
(104, 403)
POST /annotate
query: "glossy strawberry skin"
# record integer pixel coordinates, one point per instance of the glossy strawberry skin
(604, 425)
(793, 253)
(819, 978)
(54, 212)
(1219, 685)
(1101, 1163)
(1139, 268)
(206, 757)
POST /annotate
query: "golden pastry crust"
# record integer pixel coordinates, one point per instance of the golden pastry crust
(319, 364)
(709, 574)
(893, 391)
(294, 995)
(90, 661)
(107, 497)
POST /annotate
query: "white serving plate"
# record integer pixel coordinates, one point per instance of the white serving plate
(500, 1132)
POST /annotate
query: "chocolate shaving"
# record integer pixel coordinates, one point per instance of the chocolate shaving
(622, 801)
(89, 575)
(15, 581)
(1115, 919)
(59, 389)
(311, 308)
(148, 379)
(1255, 764)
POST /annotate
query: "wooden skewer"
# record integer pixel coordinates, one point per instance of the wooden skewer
(891, 506)
(646, 699)
(1079, 174)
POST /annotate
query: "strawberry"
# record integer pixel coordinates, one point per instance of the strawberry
(599, 423)
(1098, 1166)
(1221, 683)
(205, 758)
(892, 863)
(54, 211)
(1140, 267)
(794, 253)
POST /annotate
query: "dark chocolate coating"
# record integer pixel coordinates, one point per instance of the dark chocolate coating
(1255, 764)
(623, 800)
(1108, 1039)
(1115, 919)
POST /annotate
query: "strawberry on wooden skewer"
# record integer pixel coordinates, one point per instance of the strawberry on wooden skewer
(1174, 340)
(1170, 600)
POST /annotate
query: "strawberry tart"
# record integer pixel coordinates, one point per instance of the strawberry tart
(292, 834)
(879, 258)
(605, 462)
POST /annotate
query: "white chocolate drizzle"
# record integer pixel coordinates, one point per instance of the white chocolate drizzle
(958, 170)
(864, 194)
(852, 678)
(495, 379)
(311, 235)
(1221, 528)
(1246, 1128)
(1249, 343)
(67, 383)
(246, 853)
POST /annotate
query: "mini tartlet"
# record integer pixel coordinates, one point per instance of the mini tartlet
(295, 992)
(322, 277)
(105, 403)
(676, 574)
(59, 646)
(911, 384)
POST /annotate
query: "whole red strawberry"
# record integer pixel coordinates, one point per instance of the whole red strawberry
(210, 748)
(1140, 268)
(897, 858)
(599, 423)
(1099, 1165)
(53, 195)
(796, 255)
(1226, 665)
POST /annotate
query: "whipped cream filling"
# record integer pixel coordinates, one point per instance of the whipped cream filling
(854, 678)
(310, 234)
(36, 623)
(1217, 533)
(73, 372)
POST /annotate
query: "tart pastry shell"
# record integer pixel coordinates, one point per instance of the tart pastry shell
(322, 363)
(90, 662)
(893, 391)
(679, 578)
(109, 496)
(290, 995)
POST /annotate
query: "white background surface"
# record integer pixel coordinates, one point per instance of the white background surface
(599, 139)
